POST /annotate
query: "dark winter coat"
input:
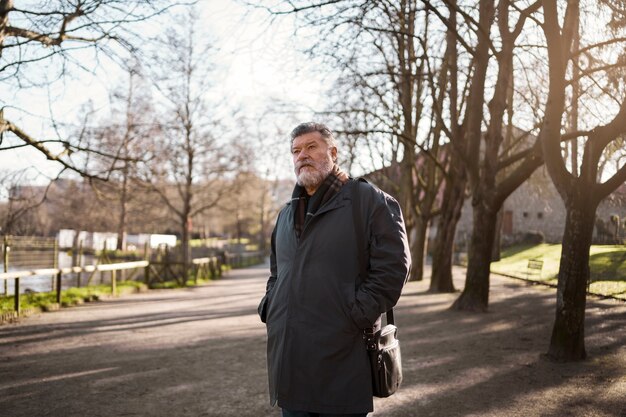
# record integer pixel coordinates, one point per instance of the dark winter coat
(315, 308)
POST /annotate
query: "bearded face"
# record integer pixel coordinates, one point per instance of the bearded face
(311, 173)
(313, 160)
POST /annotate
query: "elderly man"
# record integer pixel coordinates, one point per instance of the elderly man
(316, 306)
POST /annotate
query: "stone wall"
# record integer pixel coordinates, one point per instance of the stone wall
(536, 207)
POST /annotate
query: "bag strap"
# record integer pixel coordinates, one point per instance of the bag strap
(356, 218)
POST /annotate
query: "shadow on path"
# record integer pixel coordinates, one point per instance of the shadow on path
(201, 352)
(192, 352)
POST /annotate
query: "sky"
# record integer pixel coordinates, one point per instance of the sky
(257, 61)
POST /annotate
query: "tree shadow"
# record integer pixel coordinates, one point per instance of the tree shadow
(607, 266)
(207, 358)
(476, 364)
(209, 377)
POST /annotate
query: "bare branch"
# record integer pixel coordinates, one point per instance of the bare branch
(7, 126)
(295, 9)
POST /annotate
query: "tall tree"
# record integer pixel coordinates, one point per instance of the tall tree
(483, 153)
(492, 174)
(605, 81)
(456, 179)
(191, 160)
(127, 133)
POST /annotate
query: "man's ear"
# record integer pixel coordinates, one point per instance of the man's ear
(333, 153)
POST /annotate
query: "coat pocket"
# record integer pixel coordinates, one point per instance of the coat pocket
(262, 309)
(264, 305)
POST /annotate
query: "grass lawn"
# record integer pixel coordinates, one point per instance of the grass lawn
(607, 265)
(72, 296)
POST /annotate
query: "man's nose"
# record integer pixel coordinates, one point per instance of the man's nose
(302, 155)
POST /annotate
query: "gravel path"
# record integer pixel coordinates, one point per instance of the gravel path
(201, 352)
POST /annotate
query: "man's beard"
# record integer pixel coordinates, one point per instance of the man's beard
(312, 178)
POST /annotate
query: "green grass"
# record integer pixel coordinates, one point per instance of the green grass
(165, 285)
(607, 265)
(69, 297)
(175, 284)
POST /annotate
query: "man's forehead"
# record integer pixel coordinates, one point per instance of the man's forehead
(307, 138)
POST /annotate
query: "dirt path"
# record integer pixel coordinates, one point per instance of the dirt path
(201, 352)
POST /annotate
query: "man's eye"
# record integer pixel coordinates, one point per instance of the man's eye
(295, 151)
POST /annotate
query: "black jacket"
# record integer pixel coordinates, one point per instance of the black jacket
(315, 308)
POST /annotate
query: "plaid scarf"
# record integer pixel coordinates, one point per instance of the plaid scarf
(307, 206)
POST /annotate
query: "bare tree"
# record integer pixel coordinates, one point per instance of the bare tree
(456, 179)
(55, 34)
(392, 72)
(127, 133)
(20, 214)
(191, 159)
(604, 79)
(490, 183)
(72, 204)
(483, 151)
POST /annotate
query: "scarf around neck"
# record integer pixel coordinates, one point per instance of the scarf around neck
(307, 206)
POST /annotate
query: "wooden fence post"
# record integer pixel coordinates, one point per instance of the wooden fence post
(55, 262)
(103, 257)
(146, 275)
(5, 259)
(80, 263)
(113, 283)
(146, 257)
(16, 296)
(213, 267)
(58, 276)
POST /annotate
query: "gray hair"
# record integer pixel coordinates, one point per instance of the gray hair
(309, 127)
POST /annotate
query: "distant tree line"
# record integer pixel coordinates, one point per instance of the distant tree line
(42, 210)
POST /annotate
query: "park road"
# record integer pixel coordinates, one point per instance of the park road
(201, 352)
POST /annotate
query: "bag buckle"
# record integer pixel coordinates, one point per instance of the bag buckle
(370, 339)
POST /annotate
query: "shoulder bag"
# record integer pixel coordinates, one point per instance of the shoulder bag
(383, 347)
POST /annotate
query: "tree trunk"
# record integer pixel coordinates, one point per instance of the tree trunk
(185, 250)
(496, 254)
(121, 229)
(454, 186)
(418, 247)
(75, 248)
(475, 295)
(453, 198)
(121, 239)
(568, 334)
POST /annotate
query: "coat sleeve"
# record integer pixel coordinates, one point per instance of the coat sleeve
(262, 309)
(389, 262)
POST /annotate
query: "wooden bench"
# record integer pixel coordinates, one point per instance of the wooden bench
(534, 267)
